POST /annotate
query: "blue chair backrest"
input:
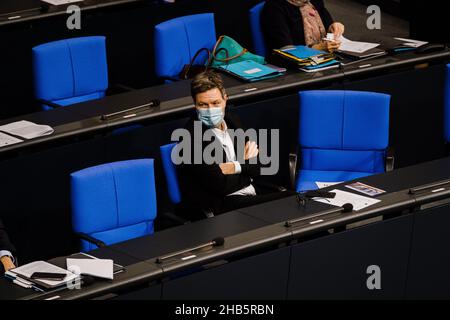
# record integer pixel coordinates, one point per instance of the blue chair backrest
(170, 172)
(344, 130)
(177, 41)
(447, 105)
(259, 45)
(114, 202)
(70, 71)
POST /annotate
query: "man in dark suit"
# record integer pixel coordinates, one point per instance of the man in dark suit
(230, 182)
(6, 250)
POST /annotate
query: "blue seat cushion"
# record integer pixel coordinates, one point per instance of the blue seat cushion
(79, 99)
(343, 160)
(120, 234)
(306, 179)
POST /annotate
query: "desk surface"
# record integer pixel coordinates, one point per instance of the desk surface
(84, 118)
(253, 223)
(188, 236)
(12, 13)
(397, 180)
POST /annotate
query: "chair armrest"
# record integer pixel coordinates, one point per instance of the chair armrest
(270, 186)
(173, 217)
(118, 88)
(49, 103)
(390, 159)
(90, 239)
(173, 79)
(292, 169)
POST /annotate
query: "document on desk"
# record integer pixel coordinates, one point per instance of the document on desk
(6, 140)
(412, 43)
(26, 129)
(343, 197)
(356, 46)
(27, 270)
(101, 268)
(60, 2)
(322, 185)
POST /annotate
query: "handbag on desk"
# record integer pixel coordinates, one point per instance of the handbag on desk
(227, 51)
(190, 70)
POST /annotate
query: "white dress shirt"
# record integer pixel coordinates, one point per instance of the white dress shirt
(227, 143)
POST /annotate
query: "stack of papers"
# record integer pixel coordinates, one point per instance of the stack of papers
(23, 274)
(308, 59)
(250, 70)
(343, 197)
(411, 43)
(26, 129)
(356, 46)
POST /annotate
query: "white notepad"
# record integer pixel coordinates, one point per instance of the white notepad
(102, 268)
(26, 129)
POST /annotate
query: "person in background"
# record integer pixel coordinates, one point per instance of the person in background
(6, 251)
(299, 22)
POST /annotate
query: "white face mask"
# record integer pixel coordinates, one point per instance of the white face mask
(211, 117)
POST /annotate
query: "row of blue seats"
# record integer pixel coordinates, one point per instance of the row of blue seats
(75, 70)
(343, 135)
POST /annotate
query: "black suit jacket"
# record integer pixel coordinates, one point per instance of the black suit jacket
(204, 186)
(282, 23)
(5, 244)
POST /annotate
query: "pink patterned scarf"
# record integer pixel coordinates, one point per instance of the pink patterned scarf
(312, 22)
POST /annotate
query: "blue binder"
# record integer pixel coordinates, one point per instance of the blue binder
(250, 70)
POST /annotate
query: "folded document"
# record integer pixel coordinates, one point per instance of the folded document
(250, 70)
(26, 129)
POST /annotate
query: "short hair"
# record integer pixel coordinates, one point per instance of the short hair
(206, 81)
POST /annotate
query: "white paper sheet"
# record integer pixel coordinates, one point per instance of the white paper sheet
(321, 185)
(61, 2)
(26, 129)
(6, 140)
(412, 43)
(102, 268)
(353, 46)
(343, 197)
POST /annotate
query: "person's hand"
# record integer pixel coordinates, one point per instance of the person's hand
(337, 29)
(251, 150)
(7, 263)
(329, 46)
(227, 168)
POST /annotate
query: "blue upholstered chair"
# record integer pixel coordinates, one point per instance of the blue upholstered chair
(70, 71)
(447, 106)
(177, 41)
(113, 202)
(343, 135)
(259, 45)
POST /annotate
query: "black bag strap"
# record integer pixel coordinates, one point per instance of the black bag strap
(188, 68)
